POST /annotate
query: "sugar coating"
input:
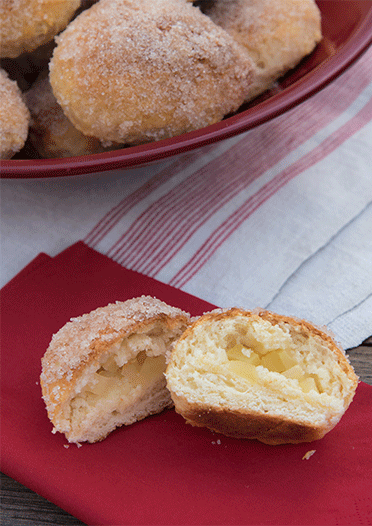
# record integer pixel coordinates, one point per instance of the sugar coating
(134, 72)
(277, 35)
(91, 334)
(14, 117)
(27, 24)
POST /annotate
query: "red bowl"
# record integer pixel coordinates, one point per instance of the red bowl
(347, 33)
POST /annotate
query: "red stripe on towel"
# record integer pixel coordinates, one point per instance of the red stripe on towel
(219, 236)
(109, 220)
(154, 238)
(166, 225)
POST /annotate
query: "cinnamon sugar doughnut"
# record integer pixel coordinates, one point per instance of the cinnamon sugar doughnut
(106, 368)
(256, 374)
(51, 134)
(277, 34)
(14, 117)
(27, 24)
(133, 72)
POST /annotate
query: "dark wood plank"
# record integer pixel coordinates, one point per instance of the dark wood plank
(361, 359)
(22, 507)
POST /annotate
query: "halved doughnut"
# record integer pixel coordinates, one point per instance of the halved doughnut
(255, 374)
(106, 368)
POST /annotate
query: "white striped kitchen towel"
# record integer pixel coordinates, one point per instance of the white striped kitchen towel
(278, 217)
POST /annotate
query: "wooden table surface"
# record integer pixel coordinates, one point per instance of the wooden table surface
(22, 507)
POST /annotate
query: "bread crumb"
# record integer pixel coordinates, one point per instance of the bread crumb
(308, 454)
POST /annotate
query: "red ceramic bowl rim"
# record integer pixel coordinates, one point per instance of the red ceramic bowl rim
(136, 156)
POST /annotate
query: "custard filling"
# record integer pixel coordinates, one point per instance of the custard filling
(243, 362)
(116, 381)
(142, 370)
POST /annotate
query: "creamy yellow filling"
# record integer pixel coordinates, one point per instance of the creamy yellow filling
(243, 361)
(142, 370)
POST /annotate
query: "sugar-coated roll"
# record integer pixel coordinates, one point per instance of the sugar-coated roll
(51, 134)
(259, 375)
(106, 369)
(133, 72)
(14, 117)
(27, 24)
(277, 34)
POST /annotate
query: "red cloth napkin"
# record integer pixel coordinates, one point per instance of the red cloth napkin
(160, 470)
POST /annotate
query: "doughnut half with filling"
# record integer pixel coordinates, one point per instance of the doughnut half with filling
(106, 368)
(259, 375)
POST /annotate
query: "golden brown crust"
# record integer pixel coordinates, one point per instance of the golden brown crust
(131, 73)
(14, 117)
(27, 24)
(239, 419)
(238, 424)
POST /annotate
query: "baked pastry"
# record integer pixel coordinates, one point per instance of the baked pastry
(27, 24)
(277, 34)
(51, 134)
(131, 72)
(106, 368)
(14, 117)
(259, 375)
